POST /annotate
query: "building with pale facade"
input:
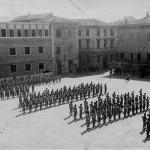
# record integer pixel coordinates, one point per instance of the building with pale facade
(134, 45)
(96, 43)
(38, 43)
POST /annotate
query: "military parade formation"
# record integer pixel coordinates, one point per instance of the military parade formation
(16, 86)
(33, 101)
(104, 109)
(107, 109)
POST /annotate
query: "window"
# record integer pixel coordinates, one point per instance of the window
(79, 32)
(58, 33)
(12, 51)
(18, 32)
(27, 50)
(112, 43)
(131, 56)
(3, 32)
(98, 43)
(11, 32)
(33, 32)
(69, 33)
(26, 33)
(105, 43)
(122, 56)
(98, 59)
(87, 59)
(13, 68)
(87, 32)
(148, 36)
(138, 56)
(121, 37)
(111, 57)
(40, 49)
(87, 43)
(27, 67)
(148, 57)
(131, 36)
(98, 32)
(105, 32)
(117, 57)
(40, 32)
(58, 50)
(80, 43)
(46, 32)
(41, 65)
(111, 32)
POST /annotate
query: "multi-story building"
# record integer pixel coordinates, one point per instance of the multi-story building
(134, 45)
(38, 43)
(96, 44)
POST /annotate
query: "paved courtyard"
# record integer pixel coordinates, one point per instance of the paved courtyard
(51, 128)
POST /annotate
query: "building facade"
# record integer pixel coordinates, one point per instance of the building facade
(38, 43)
(96, 42)
(134, 45)
(45, 43)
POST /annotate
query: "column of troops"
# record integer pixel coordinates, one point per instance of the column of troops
(112, 108)
(37, 101)
(10, 88)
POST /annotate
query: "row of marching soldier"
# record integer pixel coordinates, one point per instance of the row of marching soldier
(38, 101)
(13, 87)
(111, 108)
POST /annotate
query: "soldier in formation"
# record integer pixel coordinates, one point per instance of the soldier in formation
(116, 107)
(13, 87)
(48, 98)
(146, 124)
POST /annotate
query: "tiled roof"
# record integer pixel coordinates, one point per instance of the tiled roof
(33, 18)
(48, 17)
(143, 21)
(89, 22)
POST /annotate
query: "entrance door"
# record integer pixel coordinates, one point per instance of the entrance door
(59, 67)
(105, 62)
(70, 65)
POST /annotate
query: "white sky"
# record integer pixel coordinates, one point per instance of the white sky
(105, 10)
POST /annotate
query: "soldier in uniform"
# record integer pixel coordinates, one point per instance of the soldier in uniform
(140, 101)
(104, 115)
(144, 102)
(144, 121)
(98, 115)
(85, 105)
(93, 118)
(32, 88)
(147, 103)
(30, 106)
(137, 104)
(23, 107)
(88, 122)
(71, 107)
(101, 89)
(75, 112)
(41, 102)
(80, 111)
(125, 110)
(119, 110)
(105, 88)
(148, 127)
(133, 107)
